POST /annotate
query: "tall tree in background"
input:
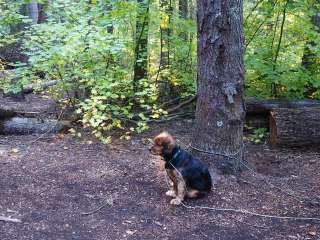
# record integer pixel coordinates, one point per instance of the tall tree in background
(165, 34)
(310, 59)
(220, 106)
(183, 13)
(183, 8)
(33, 8)
(309, 56)
(141, 48)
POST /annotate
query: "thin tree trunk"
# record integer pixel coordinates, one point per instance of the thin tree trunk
(274, 87)
(109, 27)
(42, 12)
(141, 49)
(183, 12)
(33, 11)
(183, 9)
(220, 107)
(308, 59)
(164, 85)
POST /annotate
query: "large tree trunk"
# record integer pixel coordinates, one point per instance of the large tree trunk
(220, 108)
(141, 49)
(295, 127)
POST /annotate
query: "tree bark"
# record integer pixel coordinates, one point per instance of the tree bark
(220, 107)
(295, 127)
(141, 49)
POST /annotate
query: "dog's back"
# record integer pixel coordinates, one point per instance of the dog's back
(195, 173)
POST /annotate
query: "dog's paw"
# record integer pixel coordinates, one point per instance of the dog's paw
(171, 193)
(176, 201)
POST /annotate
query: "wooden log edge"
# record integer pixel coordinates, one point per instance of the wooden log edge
(273, 129)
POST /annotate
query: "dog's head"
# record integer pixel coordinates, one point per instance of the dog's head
(163, 144)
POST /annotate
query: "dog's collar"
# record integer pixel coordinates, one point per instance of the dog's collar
(175, 155)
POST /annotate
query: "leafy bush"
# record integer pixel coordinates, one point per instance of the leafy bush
(89, 47)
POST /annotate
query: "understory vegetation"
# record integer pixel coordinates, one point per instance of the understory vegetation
(121, 63)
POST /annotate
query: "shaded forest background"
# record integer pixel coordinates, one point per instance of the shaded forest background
(120, 64)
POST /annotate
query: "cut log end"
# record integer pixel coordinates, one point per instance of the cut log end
(295, 127)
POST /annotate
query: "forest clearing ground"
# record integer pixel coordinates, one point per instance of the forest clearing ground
(50, 183)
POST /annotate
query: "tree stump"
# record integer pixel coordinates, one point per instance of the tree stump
(295, 127)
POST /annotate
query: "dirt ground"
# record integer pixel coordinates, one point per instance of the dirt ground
(50, 183)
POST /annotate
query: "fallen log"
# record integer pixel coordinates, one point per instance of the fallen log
(264, 106)
(32, 106)
(295, 127)
(260, 106)
(24, 126)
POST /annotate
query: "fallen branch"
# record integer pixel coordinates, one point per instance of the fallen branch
(233, 210)
(163, 105)
(181, 105)
(261, 106)
(32, 87)
(8, 219)
(171, 117)
(107, 201)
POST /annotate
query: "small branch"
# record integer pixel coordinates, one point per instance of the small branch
(8, 219)
(165, 104)
(171, 117)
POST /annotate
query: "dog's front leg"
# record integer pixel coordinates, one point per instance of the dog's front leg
(173, 191)
(181, 191)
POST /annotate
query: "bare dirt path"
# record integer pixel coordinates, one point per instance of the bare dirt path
(50, 183)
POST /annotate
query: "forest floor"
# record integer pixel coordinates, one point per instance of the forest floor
(49, 182)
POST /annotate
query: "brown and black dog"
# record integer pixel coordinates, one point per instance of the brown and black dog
(190, 177)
